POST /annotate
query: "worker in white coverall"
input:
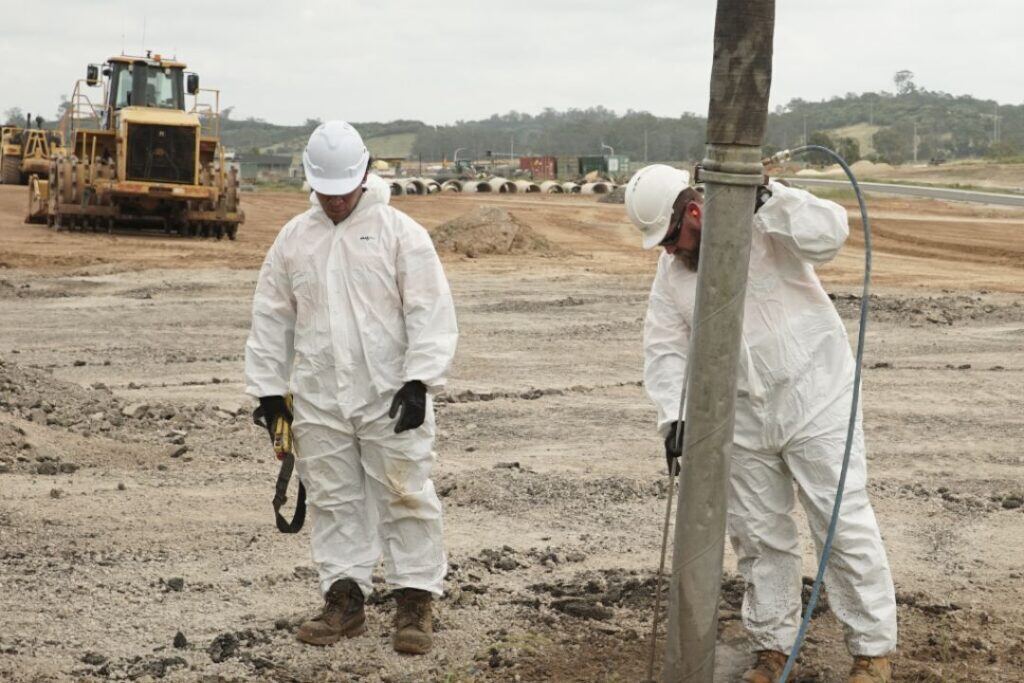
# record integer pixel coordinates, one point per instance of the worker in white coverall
(793, 401)
(353, 316)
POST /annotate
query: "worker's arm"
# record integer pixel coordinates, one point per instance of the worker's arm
(269, 350)
(427, 303)
(666, 345)
(810, 228)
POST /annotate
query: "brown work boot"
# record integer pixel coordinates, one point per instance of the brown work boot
(767, 668)
(414, 623)
(870, 670)
(342, 616)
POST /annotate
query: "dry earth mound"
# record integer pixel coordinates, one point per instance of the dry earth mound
(491, 230)
(616, 196)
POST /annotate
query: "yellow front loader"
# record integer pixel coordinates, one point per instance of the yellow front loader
(140, 159)
(24, 151)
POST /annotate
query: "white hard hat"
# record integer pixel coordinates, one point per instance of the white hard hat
(378, 188)
(650, 194)
(335, 158)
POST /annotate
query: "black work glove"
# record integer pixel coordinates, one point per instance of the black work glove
(671, 452)
(411, 400)
(271, 408)
(763, 195)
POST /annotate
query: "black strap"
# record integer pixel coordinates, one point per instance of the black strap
(284, 475)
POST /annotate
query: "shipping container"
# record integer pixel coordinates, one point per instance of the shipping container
(593, 163)
(618, 164)
(540, 168)
(568, 168)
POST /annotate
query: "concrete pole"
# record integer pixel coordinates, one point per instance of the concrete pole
(740, 83)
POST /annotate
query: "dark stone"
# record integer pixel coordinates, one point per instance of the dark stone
(180, 641)
(583, 609)
(224, 646)
(93, 658)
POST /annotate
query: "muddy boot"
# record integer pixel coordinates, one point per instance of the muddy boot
(414, 623)
(870, 670)
(767, 668)
(341, 617)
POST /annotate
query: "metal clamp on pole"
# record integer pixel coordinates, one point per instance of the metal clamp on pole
(730, 165)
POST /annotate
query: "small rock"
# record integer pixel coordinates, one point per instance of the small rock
(176, 584)
(1012, 503)
(93, 658)
(135, 410)
(47, 468)
(223, 647)
(121, 486)
(176, 451)
(180, 641)
(79, 363)
(68, 468)
(56, 493)
(583, 609)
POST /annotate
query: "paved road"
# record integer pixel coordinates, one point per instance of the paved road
(918, 191)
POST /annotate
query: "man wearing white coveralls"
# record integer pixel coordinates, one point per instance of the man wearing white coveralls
(353, 316)
(794, 389)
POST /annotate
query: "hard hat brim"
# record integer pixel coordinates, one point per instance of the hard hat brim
(336, 186)
(653, 239)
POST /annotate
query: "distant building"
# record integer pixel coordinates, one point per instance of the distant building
(266, 167)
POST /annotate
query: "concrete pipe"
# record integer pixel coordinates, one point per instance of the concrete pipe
(551, 187)
(433, 187)
(502, 185)
(397, 189)
(415, 186)
(596, 188)
(527, 186)
(570, 188)
(453, 186)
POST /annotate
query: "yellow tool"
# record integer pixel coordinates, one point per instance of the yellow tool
(283, 443)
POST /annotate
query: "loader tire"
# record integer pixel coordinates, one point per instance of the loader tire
(10, 171)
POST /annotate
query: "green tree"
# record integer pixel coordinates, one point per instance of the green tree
(14, 117)
(822, 140)
(904, 81)
(848, 149)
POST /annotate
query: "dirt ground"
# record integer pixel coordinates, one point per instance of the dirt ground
(136, 533)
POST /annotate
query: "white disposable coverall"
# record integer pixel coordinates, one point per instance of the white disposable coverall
(343, 316)
(792, 410)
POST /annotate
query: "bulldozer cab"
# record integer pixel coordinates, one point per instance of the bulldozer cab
(142, 83)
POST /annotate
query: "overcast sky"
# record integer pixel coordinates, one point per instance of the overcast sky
(466, 59)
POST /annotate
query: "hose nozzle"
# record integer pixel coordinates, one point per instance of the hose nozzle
(778, 157)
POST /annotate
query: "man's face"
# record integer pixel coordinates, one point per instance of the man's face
(683, 239)
(339, 206)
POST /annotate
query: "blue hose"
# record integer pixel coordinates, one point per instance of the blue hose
(826, 549)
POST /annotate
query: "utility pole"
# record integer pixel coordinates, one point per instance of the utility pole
(915, 142)
(732, 170)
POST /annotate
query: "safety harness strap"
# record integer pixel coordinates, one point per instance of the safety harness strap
(284, 475)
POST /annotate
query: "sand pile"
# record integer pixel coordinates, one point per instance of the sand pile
(490, 230)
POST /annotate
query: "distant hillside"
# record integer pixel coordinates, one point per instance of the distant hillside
(879, 126)
(394, 139)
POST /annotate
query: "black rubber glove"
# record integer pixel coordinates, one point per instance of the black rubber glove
(410, 404)
(271, 408)
(762, 196)
(671, 452)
